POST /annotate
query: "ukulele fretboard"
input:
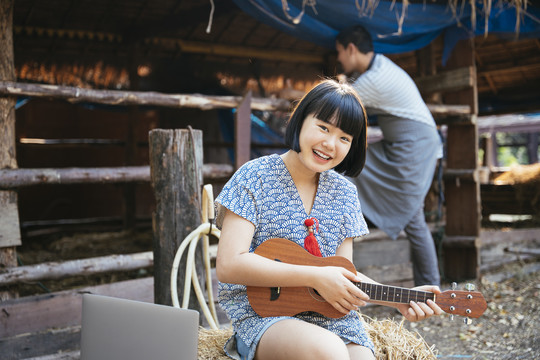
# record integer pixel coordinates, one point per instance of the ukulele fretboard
(394, 294)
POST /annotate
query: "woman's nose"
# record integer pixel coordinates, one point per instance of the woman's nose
(329, 142)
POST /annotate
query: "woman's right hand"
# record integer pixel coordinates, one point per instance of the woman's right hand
(335, 285)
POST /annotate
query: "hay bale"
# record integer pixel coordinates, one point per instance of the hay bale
(519, 174)
(392, 342)
(211, 343)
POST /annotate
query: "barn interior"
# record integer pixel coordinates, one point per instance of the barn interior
(183, 47)
(64, 60)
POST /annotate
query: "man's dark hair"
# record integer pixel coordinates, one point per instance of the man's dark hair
(358, 36)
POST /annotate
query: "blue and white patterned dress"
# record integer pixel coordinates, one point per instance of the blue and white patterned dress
(263, 192)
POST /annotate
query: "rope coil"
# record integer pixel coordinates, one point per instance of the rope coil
(201, 232)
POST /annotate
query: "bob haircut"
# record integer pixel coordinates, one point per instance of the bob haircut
(339, 105)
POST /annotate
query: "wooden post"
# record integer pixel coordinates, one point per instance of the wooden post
(10, 235)
(463, 213)
(426, 64)
(489, 158)
(176, 163)
(532, 147)
(130, 199)
(242, 132)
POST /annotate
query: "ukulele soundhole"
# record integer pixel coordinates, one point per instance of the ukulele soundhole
(315, 295)
(274, 291)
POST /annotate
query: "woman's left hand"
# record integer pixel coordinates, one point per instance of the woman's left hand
(416, 311)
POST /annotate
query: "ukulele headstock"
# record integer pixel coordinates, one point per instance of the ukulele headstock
(467, 303)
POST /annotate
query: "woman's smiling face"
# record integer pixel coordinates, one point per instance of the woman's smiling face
(323, 146)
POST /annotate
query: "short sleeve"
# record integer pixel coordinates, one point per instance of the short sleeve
(354, 224)
(239, 195)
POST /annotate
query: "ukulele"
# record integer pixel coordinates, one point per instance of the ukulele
(289, 301)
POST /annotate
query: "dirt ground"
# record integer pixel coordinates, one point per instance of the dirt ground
(509, 329)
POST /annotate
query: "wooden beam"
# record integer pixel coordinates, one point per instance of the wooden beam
(80, 267)
(471, 175)
(123, 98)
(186, 46)
(10, 179)
(450, 80)
(229, 50)
(17, 178)
(509, 71)
(449, 110)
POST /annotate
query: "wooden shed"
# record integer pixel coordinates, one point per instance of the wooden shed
(82, 83)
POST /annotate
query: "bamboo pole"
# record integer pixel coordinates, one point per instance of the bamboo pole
(17, 178)
(116, 97)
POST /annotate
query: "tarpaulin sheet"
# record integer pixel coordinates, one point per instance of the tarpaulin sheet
(422, 23)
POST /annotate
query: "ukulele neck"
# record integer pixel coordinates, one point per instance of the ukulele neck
(394, 294)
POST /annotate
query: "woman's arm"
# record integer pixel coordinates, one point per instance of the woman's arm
(235, 264)
(346, 250)
(413, 311)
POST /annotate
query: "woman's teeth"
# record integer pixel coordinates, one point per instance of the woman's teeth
(321, 155)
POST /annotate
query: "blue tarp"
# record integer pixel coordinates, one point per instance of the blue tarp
(261, 134)
(422, 23)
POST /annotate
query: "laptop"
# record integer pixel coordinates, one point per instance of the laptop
(118, 329)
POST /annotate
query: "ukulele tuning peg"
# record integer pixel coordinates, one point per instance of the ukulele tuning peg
(451, 317)
(454, 286)
(470, 287)
(467, 321)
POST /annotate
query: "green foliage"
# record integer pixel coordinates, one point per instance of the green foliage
(508, 156)
(512, 149)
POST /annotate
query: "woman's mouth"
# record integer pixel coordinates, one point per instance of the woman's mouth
(321, 155)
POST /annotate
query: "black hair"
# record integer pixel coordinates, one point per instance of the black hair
(358, 36)
(339, 105)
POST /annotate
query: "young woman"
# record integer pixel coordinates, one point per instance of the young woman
(271, 197)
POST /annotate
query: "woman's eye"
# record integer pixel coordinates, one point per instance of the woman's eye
(346, 139)
(324, 128)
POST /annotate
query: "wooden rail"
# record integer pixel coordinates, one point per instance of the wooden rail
(116, 97)
(17, 178)
(81, 267)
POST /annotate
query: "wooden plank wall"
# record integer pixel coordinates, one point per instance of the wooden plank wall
(45, 324)
(383, 259)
